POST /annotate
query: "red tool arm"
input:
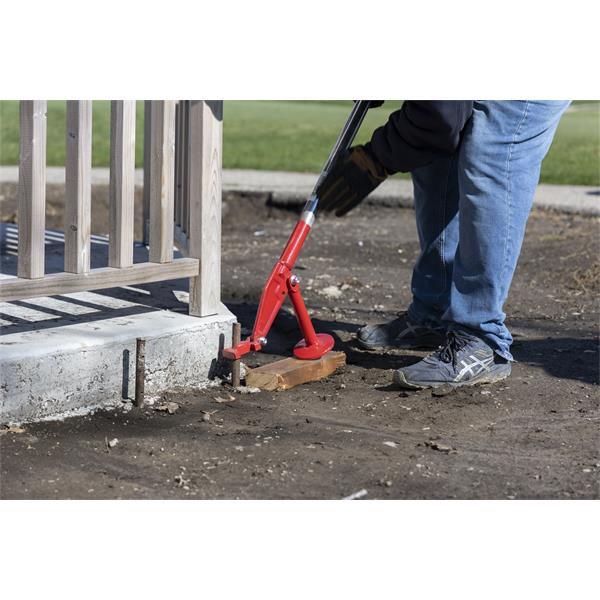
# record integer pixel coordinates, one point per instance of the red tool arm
(282, 282)
(275, 291)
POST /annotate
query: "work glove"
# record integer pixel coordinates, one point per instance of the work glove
(353, 177)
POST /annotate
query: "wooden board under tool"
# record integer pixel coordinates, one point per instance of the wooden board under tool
(290, 372)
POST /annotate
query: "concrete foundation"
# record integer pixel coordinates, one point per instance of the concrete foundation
(74, 353)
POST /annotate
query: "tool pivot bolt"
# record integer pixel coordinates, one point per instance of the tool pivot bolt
(262, 341)
(294, 280)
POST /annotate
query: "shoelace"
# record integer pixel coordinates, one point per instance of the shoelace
(454, 343)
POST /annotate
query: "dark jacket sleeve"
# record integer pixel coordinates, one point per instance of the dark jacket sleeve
(420, 132)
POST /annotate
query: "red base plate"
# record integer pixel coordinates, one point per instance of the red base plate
(314, 351)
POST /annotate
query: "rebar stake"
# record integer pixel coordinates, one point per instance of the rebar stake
(235, 365)
(140, 371)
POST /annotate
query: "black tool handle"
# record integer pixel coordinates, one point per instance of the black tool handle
(344, 141)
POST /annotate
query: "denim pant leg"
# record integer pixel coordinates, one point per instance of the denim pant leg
(436, 207)
(498, 170)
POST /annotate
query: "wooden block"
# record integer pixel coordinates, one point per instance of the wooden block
(289, 372)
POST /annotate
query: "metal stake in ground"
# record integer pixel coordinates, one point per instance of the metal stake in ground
(140, 371)
(235, 365)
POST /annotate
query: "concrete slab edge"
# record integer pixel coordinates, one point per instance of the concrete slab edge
(103, 376)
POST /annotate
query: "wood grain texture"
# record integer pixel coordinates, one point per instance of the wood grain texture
(65, 283)
(162, 172)
(78, 186)
(32, 188)
(121, 186)
(185, 174)
(290, 372)
(178, 163)
(146, 189)
(205, 188)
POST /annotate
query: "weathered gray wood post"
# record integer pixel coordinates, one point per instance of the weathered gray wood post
(205, 136)
(32, 189)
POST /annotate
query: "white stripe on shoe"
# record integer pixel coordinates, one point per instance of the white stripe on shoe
(470, 367)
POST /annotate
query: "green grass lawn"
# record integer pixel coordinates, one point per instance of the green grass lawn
(297, 136)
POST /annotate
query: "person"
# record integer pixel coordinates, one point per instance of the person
(475, 166)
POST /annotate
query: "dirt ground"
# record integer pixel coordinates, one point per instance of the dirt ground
(535, 435)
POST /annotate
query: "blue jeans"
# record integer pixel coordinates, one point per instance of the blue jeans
(471, 212)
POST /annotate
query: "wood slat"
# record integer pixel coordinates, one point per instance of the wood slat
(185, 187)
(178, 149)
(78, 187)
(205, 182)
(146, 191)
(162, 172)
(15, 288)
(122, 180)
(32, 188)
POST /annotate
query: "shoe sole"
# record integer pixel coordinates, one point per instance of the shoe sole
(485, 377)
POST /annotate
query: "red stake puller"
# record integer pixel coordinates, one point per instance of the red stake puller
(282, 282)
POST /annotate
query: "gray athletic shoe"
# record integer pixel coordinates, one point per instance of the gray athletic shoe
(399, 333)
(463, 360)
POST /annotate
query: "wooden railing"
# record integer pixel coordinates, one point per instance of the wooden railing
(182, 200)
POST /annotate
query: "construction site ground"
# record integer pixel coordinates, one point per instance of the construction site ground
(534, 435)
